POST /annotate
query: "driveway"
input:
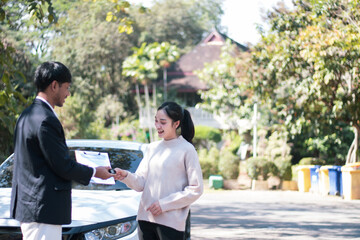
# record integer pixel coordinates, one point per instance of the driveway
(246, 214)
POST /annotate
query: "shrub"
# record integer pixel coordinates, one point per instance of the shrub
(96, 130)
(228, 164)
(260, 167)
(209, 161)
(284, 168)
(213, 157)
(294, 172)
(206, 136)
(206, 169)
(76, 117)
(278, 152)
(110, 109)
(129, 130)
(312, 161)
(234, 140)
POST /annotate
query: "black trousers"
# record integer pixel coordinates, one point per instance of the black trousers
(154, 231)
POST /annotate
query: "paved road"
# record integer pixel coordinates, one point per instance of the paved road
(246, 214)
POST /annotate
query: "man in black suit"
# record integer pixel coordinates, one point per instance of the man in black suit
(43, 170)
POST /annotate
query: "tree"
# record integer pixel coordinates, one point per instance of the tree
(181, 23)
(142, 67)
(94, 50)
(25, 32)
(125, 23)
(13, 57)
(229, 95)
(165, 55)
(308, 63)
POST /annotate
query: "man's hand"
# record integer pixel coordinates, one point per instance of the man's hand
(155, 209)
(120, 174)
(103, 173)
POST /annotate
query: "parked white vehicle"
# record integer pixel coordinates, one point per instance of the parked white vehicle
(98, 211)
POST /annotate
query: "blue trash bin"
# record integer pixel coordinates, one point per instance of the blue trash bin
(314, 176)
(335, 185)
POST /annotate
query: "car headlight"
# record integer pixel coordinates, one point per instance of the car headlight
(112, 232)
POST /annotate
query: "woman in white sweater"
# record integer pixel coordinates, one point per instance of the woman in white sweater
(169, 176)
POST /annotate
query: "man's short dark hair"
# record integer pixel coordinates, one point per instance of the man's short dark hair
(47, 72)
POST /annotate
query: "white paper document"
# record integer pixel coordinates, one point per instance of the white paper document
(95, 159)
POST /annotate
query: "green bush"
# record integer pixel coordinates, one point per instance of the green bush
(129, 130)
(278, 152)
(312, 161)
(284, 168)
(294, 172)
(76, 117)
(209, 161)
(97, 130)
(228, 164)
(234, 140)
(205, 137)
(260, 168)
(213, 157)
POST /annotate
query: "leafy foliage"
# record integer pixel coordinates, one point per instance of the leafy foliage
(128, 130)
(94, 51)
(119, 7)
(75, 116)
(233, 140)
(312, 161)
(330, 142)
(209, 161)
(14, 16)
(228, 164)
(84, 35)
(228, 95)
(278, 152)
(259, 168)
(206, 137)
(307, 65)
(182, 23)
(143, 65)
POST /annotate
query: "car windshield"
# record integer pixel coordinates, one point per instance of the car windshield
(121, 158)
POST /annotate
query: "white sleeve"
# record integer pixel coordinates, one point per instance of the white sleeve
(137, 180)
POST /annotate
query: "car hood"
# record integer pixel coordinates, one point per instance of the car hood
(88, 206)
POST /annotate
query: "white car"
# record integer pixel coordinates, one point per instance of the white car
(98, 211)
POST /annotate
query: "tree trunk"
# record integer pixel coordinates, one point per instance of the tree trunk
(154, 95)
(352, 155)
(147, 100)
(155, 107)
(138, 97)
(165, 84)
(138, 101)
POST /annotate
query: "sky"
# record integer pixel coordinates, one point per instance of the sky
(240, 18)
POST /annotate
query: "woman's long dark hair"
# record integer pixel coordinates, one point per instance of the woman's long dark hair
(176, 113)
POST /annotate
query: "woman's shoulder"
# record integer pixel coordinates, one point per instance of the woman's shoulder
(185, 144)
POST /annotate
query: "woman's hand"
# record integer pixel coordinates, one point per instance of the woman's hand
(155, 209)
(120, 174)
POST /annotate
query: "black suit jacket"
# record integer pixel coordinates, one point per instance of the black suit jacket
(43, 170)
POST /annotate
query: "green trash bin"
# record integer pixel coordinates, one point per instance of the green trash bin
(216, 181)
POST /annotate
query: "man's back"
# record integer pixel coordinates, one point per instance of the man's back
(43, 169)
